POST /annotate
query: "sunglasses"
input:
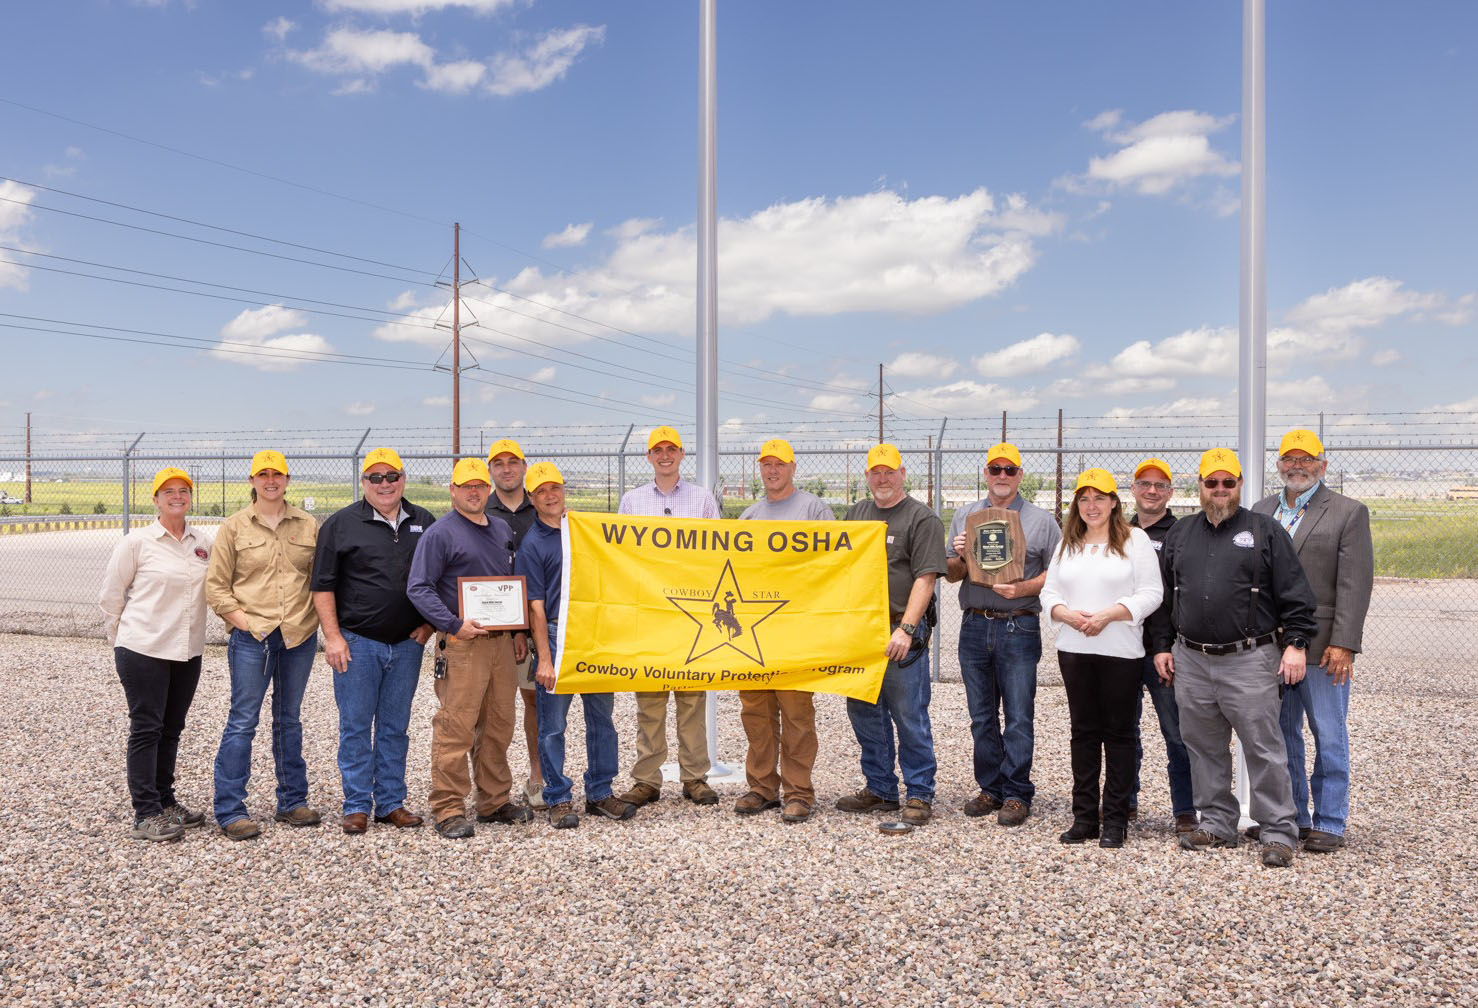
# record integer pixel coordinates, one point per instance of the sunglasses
(389, 477)
(1225, 484)
(1003, 470)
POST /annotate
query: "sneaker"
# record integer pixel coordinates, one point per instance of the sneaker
(865, 801)
(507, 814)
(699, 793)
(917, 812)
(1276, 855)
(1013, 812)
(241, 829)
(300, 816)
(1321, 842)
(534, 795)
(797, 811)
(159, 828)
(981, 805)
(455, 827)
(1079, 833)
(611, 807)
(1200, 839)
(641, 794)
(754, 803)
(562, 816)
(183, 817)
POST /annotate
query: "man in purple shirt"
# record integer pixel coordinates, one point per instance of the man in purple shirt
(476, 668)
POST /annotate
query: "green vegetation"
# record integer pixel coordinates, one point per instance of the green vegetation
(1425, 539)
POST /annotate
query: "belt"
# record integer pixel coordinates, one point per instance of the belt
(999, 614)
(1225, 649)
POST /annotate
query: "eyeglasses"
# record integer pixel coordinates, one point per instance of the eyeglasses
(1149, 485)
(1299, 460)
(1003, 470)
(389, 477)
(1225, 484)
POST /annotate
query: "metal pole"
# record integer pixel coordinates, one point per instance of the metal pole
(880, 404)
(621, 461)
(128, 479)
(1252, 371)
(28, 457)
(456, 340)
(1058, 515)
(354, 467)
(1003, 426)
(937, 462)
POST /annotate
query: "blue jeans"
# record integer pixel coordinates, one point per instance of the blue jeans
(1327, 707)
(253, 665)
(903, 703)
(601, 746)
(374, 696)
(1177, 760)
(998, 662)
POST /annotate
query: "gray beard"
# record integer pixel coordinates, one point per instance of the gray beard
(1218, 513)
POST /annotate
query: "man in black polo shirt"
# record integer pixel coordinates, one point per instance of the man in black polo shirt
(372, 637)
(510, 502)
(1233, 587)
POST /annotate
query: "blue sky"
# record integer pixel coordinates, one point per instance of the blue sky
(1011, 206)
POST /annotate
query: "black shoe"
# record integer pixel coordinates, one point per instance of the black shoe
(1079, 832)
(454, 827)
(508, 815)
(1113, 837)
(1320, 842)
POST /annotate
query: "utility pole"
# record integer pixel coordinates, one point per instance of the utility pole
(457, 339)
(1003, 425)
(28, 457)
(880, 403)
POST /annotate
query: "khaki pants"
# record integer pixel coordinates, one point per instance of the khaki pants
(476, 719)
(783, 720)
(651, 737)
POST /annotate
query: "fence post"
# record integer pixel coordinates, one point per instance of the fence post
(938, 502)
(621, 461)
(128, 480)
(354, 468)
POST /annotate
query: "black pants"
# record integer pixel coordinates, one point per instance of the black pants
(1103, 705)
(159, 693)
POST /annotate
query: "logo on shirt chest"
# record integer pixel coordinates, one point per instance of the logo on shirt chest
(1243, 539)
(202, 552)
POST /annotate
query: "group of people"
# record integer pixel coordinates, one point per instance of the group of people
(1234, 619)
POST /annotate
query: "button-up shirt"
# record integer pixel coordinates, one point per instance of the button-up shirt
(365, 561)
(1289, 517)
(518, 519)
(264, 572)
(687, 500)
(1042, 536)
(153, 594)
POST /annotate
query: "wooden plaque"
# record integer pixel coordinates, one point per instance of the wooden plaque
(995, 548)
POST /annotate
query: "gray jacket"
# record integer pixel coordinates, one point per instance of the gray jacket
(1332, 541)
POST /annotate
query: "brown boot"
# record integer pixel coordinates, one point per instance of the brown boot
(641, 794)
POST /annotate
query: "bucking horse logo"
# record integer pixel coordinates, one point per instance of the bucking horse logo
(724, 618)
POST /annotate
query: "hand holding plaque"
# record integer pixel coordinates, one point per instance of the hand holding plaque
(995, 548)
(493, 603)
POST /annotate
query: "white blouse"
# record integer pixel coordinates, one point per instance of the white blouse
(1088, 580)
(153, 594)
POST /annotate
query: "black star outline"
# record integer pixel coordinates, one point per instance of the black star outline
(705, 622)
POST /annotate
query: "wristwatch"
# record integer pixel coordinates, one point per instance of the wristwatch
(1302, 643)
(908, 628)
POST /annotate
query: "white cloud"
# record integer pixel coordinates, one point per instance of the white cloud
(1102, 381)
(965, 398)
(572, 236)
(543, 63)
(1026, 356)
(415, 8)
(1303, 394)
(359, 409)
(1361, 304)
(1192, 407)
(15, 219)
(922, 365)
(636, 226)
(664, 399)
(836, 403)
(437, 400)
(1203, 351)
(544, 374)
(1385, 358)
(67, 167)
(263, 329)
(278, 28)
(1161, 153)
(1460, 313)
(403, 301)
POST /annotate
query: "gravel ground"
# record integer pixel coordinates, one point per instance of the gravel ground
(690, 906)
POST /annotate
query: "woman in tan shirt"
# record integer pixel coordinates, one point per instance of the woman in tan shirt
(258, 583)
(153, 602)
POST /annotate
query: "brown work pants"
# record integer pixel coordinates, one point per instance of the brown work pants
(783, 720)
(651, 737)
(476, 718)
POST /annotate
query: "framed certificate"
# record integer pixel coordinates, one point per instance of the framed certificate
(494, 603)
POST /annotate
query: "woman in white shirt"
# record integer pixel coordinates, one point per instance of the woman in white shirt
(1104, 580)
(153, 602)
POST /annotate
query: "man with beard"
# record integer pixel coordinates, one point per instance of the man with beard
(1233, 585)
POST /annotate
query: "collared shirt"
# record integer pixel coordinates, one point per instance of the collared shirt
(540, 560)
(153, 594)
(1210, 574)
(1042, 535)
(1157, 533)
(915, 539)
(1289, 517)
(264, 572)
(365, 561)
(456, 546)
(687, 500)
(519, 520)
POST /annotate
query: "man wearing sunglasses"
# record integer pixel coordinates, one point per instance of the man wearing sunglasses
(372, 637)
(1000, 646)
(1331, 534)
(1234, 591)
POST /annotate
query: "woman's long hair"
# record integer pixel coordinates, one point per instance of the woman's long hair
(1074, 528)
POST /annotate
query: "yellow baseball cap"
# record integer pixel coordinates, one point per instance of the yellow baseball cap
(1005, 450)
(1220, 460)
(1301, 440)
(1153, 463)
(540, 473)
(505, 445)
(664, 433)
(163, 476)
(1099, 479)
(470, 470)
(385, 455)
(269, 459)
(777, 448)
(883, 455)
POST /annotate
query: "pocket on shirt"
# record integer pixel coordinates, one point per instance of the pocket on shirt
(253, 555)
(300, 549)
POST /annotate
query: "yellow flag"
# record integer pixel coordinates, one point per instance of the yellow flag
(695, 604)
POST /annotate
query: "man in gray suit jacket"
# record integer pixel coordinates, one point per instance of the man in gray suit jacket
(1331, 534)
